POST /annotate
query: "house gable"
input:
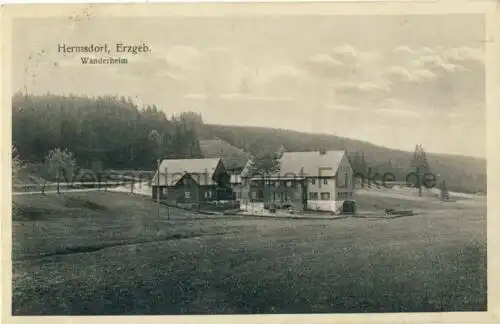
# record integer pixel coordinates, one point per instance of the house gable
(344, 166)
(171, 171)
(345, 179)
(220, 174)
(186, 181)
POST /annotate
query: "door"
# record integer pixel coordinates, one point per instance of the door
(349, 207)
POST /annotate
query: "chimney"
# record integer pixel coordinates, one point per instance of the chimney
(322, 151)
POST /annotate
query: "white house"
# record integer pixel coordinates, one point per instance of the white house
(328, 175)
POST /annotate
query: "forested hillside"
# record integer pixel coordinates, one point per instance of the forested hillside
(121, 135)
(107, 129)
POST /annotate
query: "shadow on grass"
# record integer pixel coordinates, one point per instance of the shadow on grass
(98, 247)
(72, 202)
(35, 213)
(29, 213)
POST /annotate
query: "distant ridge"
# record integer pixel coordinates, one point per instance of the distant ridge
(462, 173)
(357, 142)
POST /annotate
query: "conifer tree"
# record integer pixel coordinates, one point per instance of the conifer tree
(419, 166)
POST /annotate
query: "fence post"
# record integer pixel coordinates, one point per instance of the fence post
(158, 195)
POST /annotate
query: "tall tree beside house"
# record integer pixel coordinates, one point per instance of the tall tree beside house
(419, 167)
(265, 164)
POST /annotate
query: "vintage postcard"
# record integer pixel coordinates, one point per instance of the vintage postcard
(308, 162)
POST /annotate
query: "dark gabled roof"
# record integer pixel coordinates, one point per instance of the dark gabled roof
(201, 170)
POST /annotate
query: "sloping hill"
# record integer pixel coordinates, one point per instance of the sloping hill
(102, 253)
(462, 173)
(232, 157)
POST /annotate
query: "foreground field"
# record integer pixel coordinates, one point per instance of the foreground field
(110, 253)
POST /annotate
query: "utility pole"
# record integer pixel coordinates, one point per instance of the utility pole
(420, 180)
(58, 178)
(158, 195)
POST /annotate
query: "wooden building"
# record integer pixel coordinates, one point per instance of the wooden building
(191, 181)
(239, 183)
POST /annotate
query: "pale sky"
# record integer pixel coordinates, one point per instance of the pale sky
(395, 81)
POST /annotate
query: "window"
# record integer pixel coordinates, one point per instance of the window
(313, 181)
(164, 191)
(325, 181)
(313, 196)
(238, 195)
(343, 195)
(187, 195)
(325, 196)
(254, 194)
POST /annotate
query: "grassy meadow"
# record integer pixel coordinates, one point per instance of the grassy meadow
(97, 253)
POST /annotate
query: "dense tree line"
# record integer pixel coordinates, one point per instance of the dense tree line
(113, 131)
(121, 135)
